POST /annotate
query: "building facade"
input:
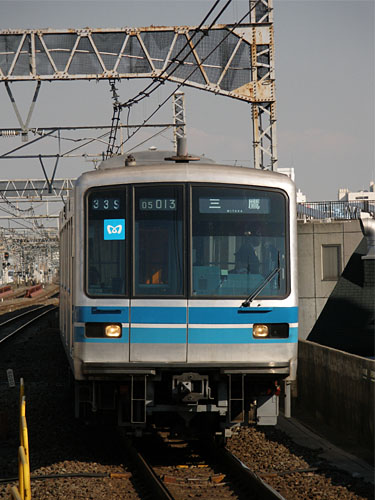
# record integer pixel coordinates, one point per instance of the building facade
(345, 195)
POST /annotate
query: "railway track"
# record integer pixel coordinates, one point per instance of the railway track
(174, 469)
(18, 323)
(185, 472)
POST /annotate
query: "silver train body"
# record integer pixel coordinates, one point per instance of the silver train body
(178, 291)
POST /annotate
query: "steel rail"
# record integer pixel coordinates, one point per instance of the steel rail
(240, 475)
(248, 478)
(24, 325)
(20, 315)
(150, 478)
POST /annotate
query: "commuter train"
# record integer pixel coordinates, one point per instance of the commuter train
(178, 293)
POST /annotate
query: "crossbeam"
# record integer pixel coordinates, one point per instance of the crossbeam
(220, 63)
(35, 189)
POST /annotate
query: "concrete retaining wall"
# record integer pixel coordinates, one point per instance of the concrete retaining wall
(313, 289)
(338, 389)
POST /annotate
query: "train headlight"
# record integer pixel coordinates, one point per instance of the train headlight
(113, 331)
(260, 331)
(271, 331)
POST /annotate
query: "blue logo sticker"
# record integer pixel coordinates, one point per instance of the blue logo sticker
(114, 229)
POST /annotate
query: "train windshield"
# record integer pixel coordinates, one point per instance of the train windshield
(238, 238)
(158, 241)
(106, 242)
(234, 238)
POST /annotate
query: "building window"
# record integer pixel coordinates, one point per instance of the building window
(331, 262)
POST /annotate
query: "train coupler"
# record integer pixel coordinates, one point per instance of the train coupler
(190, 387)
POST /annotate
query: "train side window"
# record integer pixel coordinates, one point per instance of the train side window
(106, 242)
(158, 241)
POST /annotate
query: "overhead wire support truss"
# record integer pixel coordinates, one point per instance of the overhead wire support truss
(95, 54)
(35, 189)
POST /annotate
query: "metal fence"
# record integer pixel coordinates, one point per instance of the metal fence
(338, 210)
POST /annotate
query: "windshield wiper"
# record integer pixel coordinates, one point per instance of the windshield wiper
(264, 283)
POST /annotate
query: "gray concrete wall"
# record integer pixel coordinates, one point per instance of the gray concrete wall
(313, 290)
(338, 390)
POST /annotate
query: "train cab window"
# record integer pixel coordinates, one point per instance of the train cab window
(106, 242)
(158, 241)
(238, 239)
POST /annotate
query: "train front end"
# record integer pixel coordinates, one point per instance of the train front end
(185, 294)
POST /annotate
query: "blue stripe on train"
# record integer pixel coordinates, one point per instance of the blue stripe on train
(234, 336)
(178, 315)
(104, 314)
(195, 336)
(215, 335)
(101, 314)
(154, 315)
(234, 315)
(213, 317)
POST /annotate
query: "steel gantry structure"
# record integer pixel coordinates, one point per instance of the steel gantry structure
(13, 192)
(236, 61)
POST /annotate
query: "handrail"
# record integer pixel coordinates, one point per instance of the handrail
(23, 492)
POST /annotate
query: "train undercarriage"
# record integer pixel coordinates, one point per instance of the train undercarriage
(186, 399)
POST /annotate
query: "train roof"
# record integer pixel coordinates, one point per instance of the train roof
(148, 157)
(152, 167)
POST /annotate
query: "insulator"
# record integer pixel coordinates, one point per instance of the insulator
(9, 133)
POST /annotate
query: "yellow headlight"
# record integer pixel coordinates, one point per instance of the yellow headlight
(260, 331)
(113, 331)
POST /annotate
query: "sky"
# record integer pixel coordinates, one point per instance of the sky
(324, 57)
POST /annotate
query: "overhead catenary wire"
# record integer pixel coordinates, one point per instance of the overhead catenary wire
(86, 144)
(144, 93)
(192, 72)
(117, 107)
(17, 221)
(149, 138)
(31, 225)
(157, 82)
(13, 206)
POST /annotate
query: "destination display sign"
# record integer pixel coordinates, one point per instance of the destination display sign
(234, 205)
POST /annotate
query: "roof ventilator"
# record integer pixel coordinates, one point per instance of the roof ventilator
(130, 161)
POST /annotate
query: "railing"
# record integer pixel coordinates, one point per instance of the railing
(23, 492)
(338, 210)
